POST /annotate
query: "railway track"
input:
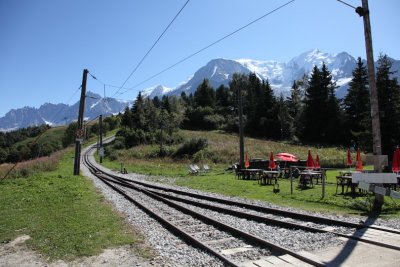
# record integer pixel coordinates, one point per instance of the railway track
(224, 241)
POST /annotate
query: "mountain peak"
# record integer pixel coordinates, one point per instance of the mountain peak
(158, 90)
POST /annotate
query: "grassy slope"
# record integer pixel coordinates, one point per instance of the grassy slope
(62, 213)
(221, 181)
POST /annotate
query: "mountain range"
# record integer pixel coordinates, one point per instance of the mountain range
(279, 74)
(218, 71)
(60, 114)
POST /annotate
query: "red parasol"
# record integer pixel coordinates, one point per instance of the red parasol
(396, 160)
(310, 161)
(246, 161)
(317, 165)
(287, 157)
(359, 166)
(349, 159)
(271, 163)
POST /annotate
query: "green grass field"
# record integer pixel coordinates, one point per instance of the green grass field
(219, 180)
(64, 215)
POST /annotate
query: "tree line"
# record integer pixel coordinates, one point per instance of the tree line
(20, 145)
(311, 114)
(14, 146)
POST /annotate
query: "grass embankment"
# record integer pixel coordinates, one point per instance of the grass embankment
(224, 147)
(62, 213)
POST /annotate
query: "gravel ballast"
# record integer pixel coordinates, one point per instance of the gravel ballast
(174, 252)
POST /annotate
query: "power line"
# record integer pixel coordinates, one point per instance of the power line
(208, 46)
(151, 48)
(105, 84)
(346, 4)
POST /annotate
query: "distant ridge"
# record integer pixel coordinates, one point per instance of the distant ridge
(60, 114)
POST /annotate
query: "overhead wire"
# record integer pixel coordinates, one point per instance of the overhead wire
(206, 47)
(151, 48)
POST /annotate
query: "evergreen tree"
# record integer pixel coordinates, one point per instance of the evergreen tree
(156, 102)
(314, 106)
(138, 117)
(295, 109)
(334, 115)
(389, 105)
(253, 104)
(185, 98)
(222, 96)
(165, 103)
(268, 114)
(284, 118)
(357, 108)
(205, 95)
(126, 118)
(223, 104)
(322, 116)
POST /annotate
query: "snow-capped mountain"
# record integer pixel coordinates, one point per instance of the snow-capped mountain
(217, 71)
(158, 90)
(59, 114)
(279, 74)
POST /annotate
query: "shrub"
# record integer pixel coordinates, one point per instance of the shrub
(206, 155)
(119, 143)
(213, 122)
(190, 147)
(161, 152)
(133, 137)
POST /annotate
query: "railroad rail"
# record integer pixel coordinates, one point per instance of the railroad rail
(175, 197)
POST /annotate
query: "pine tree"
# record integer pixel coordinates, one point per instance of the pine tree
(389, 105)
(137, 110)
(268, 114)
(284, 118)
(295, 109)
(314, 105)
(334, 116)
(322, 116)
(357, 108)
(126, 119)
(205, 95)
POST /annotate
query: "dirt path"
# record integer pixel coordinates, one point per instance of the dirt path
(16, 253)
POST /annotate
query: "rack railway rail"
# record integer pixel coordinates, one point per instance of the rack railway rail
(224, 241)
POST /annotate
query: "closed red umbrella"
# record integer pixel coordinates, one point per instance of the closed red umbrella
(246, 161)
(359, 166)
(396, 160)
(310, 161)
(349, 159)
(271, 163)
(287, 157)
(317, 165)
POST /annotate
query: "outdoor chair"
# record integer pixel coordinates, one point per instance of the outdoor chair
(206, 168)
(192, 170)
(196, 168)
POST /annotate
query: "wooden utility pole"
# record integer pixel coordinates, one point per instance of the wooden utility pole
(101, 138)
(376, 127)
(241, 139)
(80, 131)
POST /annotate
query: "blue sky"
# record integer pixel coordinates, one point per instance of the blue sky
(46, 44)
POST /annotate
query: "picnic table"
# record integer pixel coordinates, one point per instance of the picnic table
(345, 180)
(268, 177)
(386, 179)
(306, 177)
(247, 174)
